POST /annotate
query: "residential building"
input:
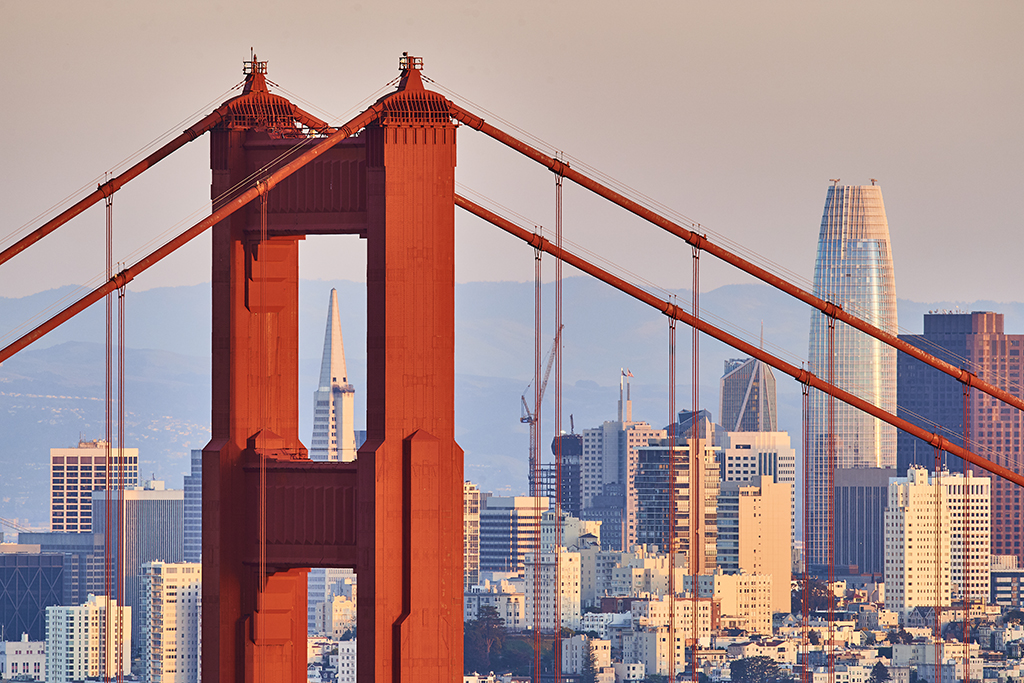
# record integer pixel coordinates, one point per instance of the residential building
(153, 527)
(24, 659)
(346, 664)
(88, 641)
(578, 649)
(334, 400)
(76, 472)
(853, 269)
(470, 535)
(977, 342)
(193, 529)
(558, 590)
(30, 581)
(504, 596)
(509, 531)
(173, 606)
(747, 401)
(747, 455)
(323, 584)
(84, 561)
(572, 534)
(754, 533)
(649, 497)
(937, 530)
(861, 495)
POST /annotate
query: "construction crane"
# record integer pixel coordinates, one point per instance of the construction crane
(529, 416)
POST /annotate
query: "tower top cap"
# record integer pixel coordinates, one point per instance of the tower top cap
(407, 62)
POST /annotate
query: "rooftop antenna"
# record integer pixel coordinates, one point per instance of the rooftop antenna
(572, 425)
(834, 181)
(873, 181)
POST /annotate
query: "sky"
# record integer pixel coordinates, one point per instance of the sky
(733, 114)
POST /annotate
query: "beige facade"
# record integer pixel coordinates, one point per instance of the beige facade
(173, 603)
(76, 472)
(77, 646)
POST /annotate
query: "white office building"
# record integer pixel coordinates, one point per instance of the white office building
(173, 603)
(23, 658)
(937, 539)
(77, 646)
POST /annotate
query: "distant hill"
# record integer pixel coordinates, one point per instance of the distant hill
(52, 392)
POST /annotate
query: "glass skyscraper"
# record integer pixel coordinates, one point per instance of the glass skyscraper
(854, 270)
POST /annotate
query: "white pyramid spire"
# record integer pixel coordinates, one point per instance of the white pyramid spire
(334, 436)
(332, 367)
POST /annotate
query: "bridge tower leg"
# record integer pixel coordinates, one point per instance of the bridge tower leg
(410, 468)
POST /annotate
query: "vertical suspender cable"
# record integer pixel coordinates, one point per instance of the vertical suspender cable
(535, 433)
(831, 504)
(696, 472)
(805, 674)
(671, 545)
(122, 504)
(939, 487)
(108, 534)
(967, 540)
(556, 644)
(264, 394)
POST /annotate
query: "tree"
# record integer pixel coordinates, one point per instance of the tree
(482, 641)
(869, 637)
(516, 656)
(879, 673)
(902, 637)
(954, 630)
(814, 638)
(820, 595)
(755, 670)
(1014, 616)
(589, 672)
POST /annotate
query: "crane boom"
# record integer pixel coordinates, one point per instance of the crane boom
(529, 416)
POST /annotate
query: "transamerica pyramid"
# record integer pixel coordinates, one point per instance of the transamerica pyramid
(333, 402)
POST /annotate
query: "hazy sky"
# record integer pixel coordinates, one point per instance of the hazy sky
(735, 114)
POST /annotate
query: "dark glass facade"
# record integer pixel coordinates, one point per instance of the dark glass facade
(29, 583)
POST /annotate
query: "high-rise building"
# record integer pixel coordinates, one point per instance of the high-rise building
(509, 531)
(747, 455)
(747, 401)
(77, 642)
(30, 581)
(334, 400)
(977, 342)
(564, 484)
(76, 472)
(558, 578)
(650, 499)
(753, 533)
(937, 546)
(84, 561)
(154, 520)
(853, 269)
(470, 535)
(610, 457)
(862, 494)
(172, 605)
(193, 487)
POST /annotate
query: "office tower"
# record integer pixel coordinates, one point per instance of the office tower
(23, 658)
(566, 489)
(470, 535)
(509, 531)
(650, 498)
(77, 646)
(861, 496)
(747, 398)
(323, 584)
(30, 581)
(609, 457)
(84, 561)
(172, 604)
(854, 270)
(558, 577)
(76, 472)
(609, 509)
(154, 520)
(334, 400)
(936, 552)
(194, 509)
(754, 521)
(977, 342)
